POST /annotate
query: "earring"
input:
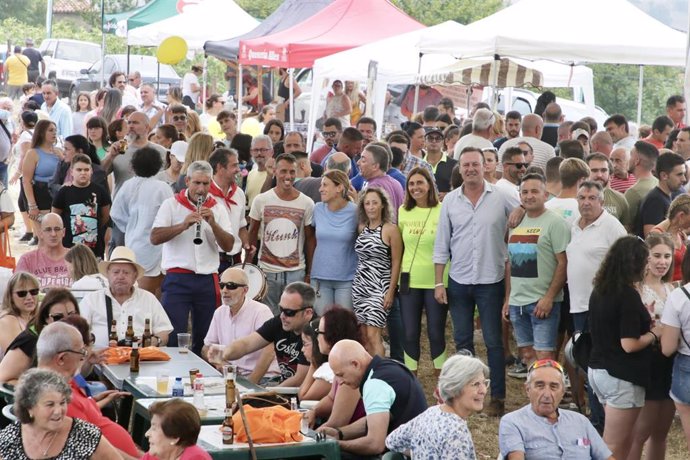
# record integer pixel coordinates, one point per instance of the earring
(172, 443)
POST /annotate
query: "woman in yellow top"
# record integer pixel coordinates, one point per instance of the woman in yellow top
(418, 219)
(357, 99)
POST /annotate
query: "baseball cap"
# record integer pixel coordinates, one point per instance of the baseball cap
(432, 130)
(179, 150)
(579, 132)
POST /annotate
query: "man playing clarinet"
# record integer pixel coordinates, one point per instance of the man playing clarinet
(190, 226)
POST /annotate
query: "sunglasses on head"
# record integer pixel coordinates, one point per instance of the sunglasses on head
(230, 285)
(290, 313)
(546, 363)
(23, 293)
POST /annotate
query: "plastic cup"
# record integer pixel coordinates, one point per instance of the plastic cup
(184, 341)
(162, 383)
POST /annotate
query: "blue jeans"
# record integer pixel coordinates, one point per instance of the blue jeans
(276, 283)
(3, 173)
(488, 298)
(330, 292)
(596, 410)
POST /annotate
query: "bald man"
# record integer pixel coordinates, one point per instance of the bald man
(602, 143)
(392, 396)
(238, 317)
(47, 261)
(532, 128)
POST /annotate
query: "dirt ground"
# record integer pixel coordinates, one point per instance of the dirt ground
(485, 429)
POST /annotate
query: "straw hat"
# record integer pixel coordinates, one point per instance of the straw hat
(121, 255)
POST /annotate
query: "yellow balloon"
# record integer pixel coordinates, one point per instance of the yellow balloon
(172, 50)
(251, 126)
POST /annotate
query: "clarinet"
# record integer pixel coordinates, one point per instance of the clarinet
(197, 236)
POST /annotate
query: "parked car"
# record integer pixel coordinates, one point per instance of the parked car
(90, 78)
(64, 59)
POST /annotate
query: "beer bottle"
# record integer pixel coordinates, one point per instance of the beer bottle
(129, 335)
(146, 338)
(113, 334)
(134, 358)
(228, 427)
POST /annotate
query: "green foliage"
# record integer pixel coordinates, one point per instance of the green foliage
(432, 12)
(616, 89)
(259, 9)
(31, 12)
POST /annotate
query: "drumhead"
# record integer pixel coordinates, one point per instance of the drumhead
(257, 281)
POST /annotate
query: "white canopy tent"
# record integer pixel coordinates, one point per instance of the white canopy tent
(587, 31)
(207, 20)
(399, 60)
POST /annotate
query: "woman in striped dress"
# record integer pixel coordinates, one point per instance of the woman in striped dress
(379, 252)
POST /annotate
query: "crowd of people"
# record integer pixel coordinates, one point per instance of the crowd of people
(546, 227)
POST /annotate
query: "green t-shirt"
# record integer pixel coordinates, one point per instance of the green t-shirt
(411, 223)
(533, 246)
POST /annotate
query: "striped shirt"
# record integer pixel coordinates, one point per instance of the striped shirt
(622, 185)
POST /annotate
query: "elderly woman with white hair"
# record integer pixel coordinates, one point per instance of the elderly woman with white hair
(441, 431)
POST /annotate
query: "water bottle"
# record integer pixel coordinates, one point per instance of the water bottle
(178, 388)
(293, 403)
(198, 392)
(230, 103)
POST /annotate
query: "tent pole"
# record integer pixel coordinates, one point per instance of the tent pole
(292, 102)
(239, 97)
(639, 96)
(203, 80)
(416, 87)
(686, 85)
(496, 65)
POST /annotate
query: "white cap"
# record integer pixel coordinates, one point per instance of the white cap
(179, 150)
(579, 132)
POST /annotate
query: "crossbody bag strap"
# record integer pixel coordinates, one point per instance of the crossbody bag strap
(108, 311)
(414, 254)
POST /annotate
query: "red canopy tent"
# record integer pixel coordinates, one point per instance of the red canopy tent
(342, 25)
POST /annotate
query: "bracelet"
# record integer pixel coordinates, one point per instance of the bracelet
(340, 434)
(33, 206)
(438, 285)
(656, 339)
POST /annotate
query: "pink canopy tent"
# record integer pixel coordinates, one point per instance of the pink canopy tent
(342, 25)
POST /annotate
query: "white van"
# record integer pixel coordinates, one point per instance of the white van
(65, 58)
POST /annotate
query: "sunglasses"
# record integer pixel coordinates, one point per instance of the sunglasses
(546, 363)
(22, 294)
(519, 165)
(434, 138)
(290, 313)
(59, 316)
(230, 285)
(179, 117)
(329, 133)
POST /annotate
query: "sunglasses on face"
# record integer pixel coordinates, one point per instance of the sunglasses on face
(290, 313)
(230, 285)
(179, 117)
(519, 165)
(329, 133)
(434, 138)
(22, 294)
(58, 316)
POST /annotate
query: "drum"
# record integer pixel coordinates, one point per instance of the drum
(257, 281)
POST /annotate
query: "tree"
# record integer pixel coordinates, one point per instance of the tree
(30, 12)
(260, 9)
(432, 12)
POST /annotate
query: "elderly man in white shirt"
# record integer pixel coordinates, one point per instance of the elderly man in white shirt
(123, 299)
(238, 317)
(191, 226)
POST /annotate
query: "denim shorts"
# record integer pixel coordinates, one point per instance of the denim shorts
(542, 333)
(680, 384)
(614, 392)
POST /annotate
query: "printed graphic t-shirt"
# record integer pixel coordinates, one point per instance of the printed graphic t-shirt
(287, 345)
(282, 230)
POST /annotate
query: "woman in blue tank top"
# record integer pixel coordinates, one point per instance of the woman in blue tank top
(38, 168)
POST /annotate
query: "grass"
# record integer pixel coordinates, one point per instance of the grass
(485, 429)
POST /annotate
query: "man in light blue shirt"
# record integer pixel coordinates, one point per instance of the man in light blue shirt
(542, 431)
(471, 233)
(59, 112)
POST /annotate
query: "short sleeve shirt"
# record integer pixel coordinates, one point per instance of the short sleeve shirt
(677, 314)
(533, 246)
(287, 345)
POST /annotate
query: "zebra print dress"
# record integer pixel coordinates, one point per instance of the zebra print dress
(373, 277)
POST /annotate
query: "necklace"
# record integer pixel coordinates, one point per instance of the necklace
(50, 444)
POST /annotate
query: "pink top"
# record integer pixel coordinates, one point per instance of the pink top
(190, 453)
(50, 273)
(225, 329)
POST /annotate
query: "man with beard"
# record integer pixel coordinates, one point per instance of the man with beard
(261, 151)
(331, 132)
(514, 167)
(236, 318)
(513, 122)
(614, 201)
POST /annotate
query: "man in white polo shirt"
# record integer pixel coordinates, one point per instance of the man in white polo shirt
(122, 299)
(191, 236)
(238, 317)
(591, 236)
